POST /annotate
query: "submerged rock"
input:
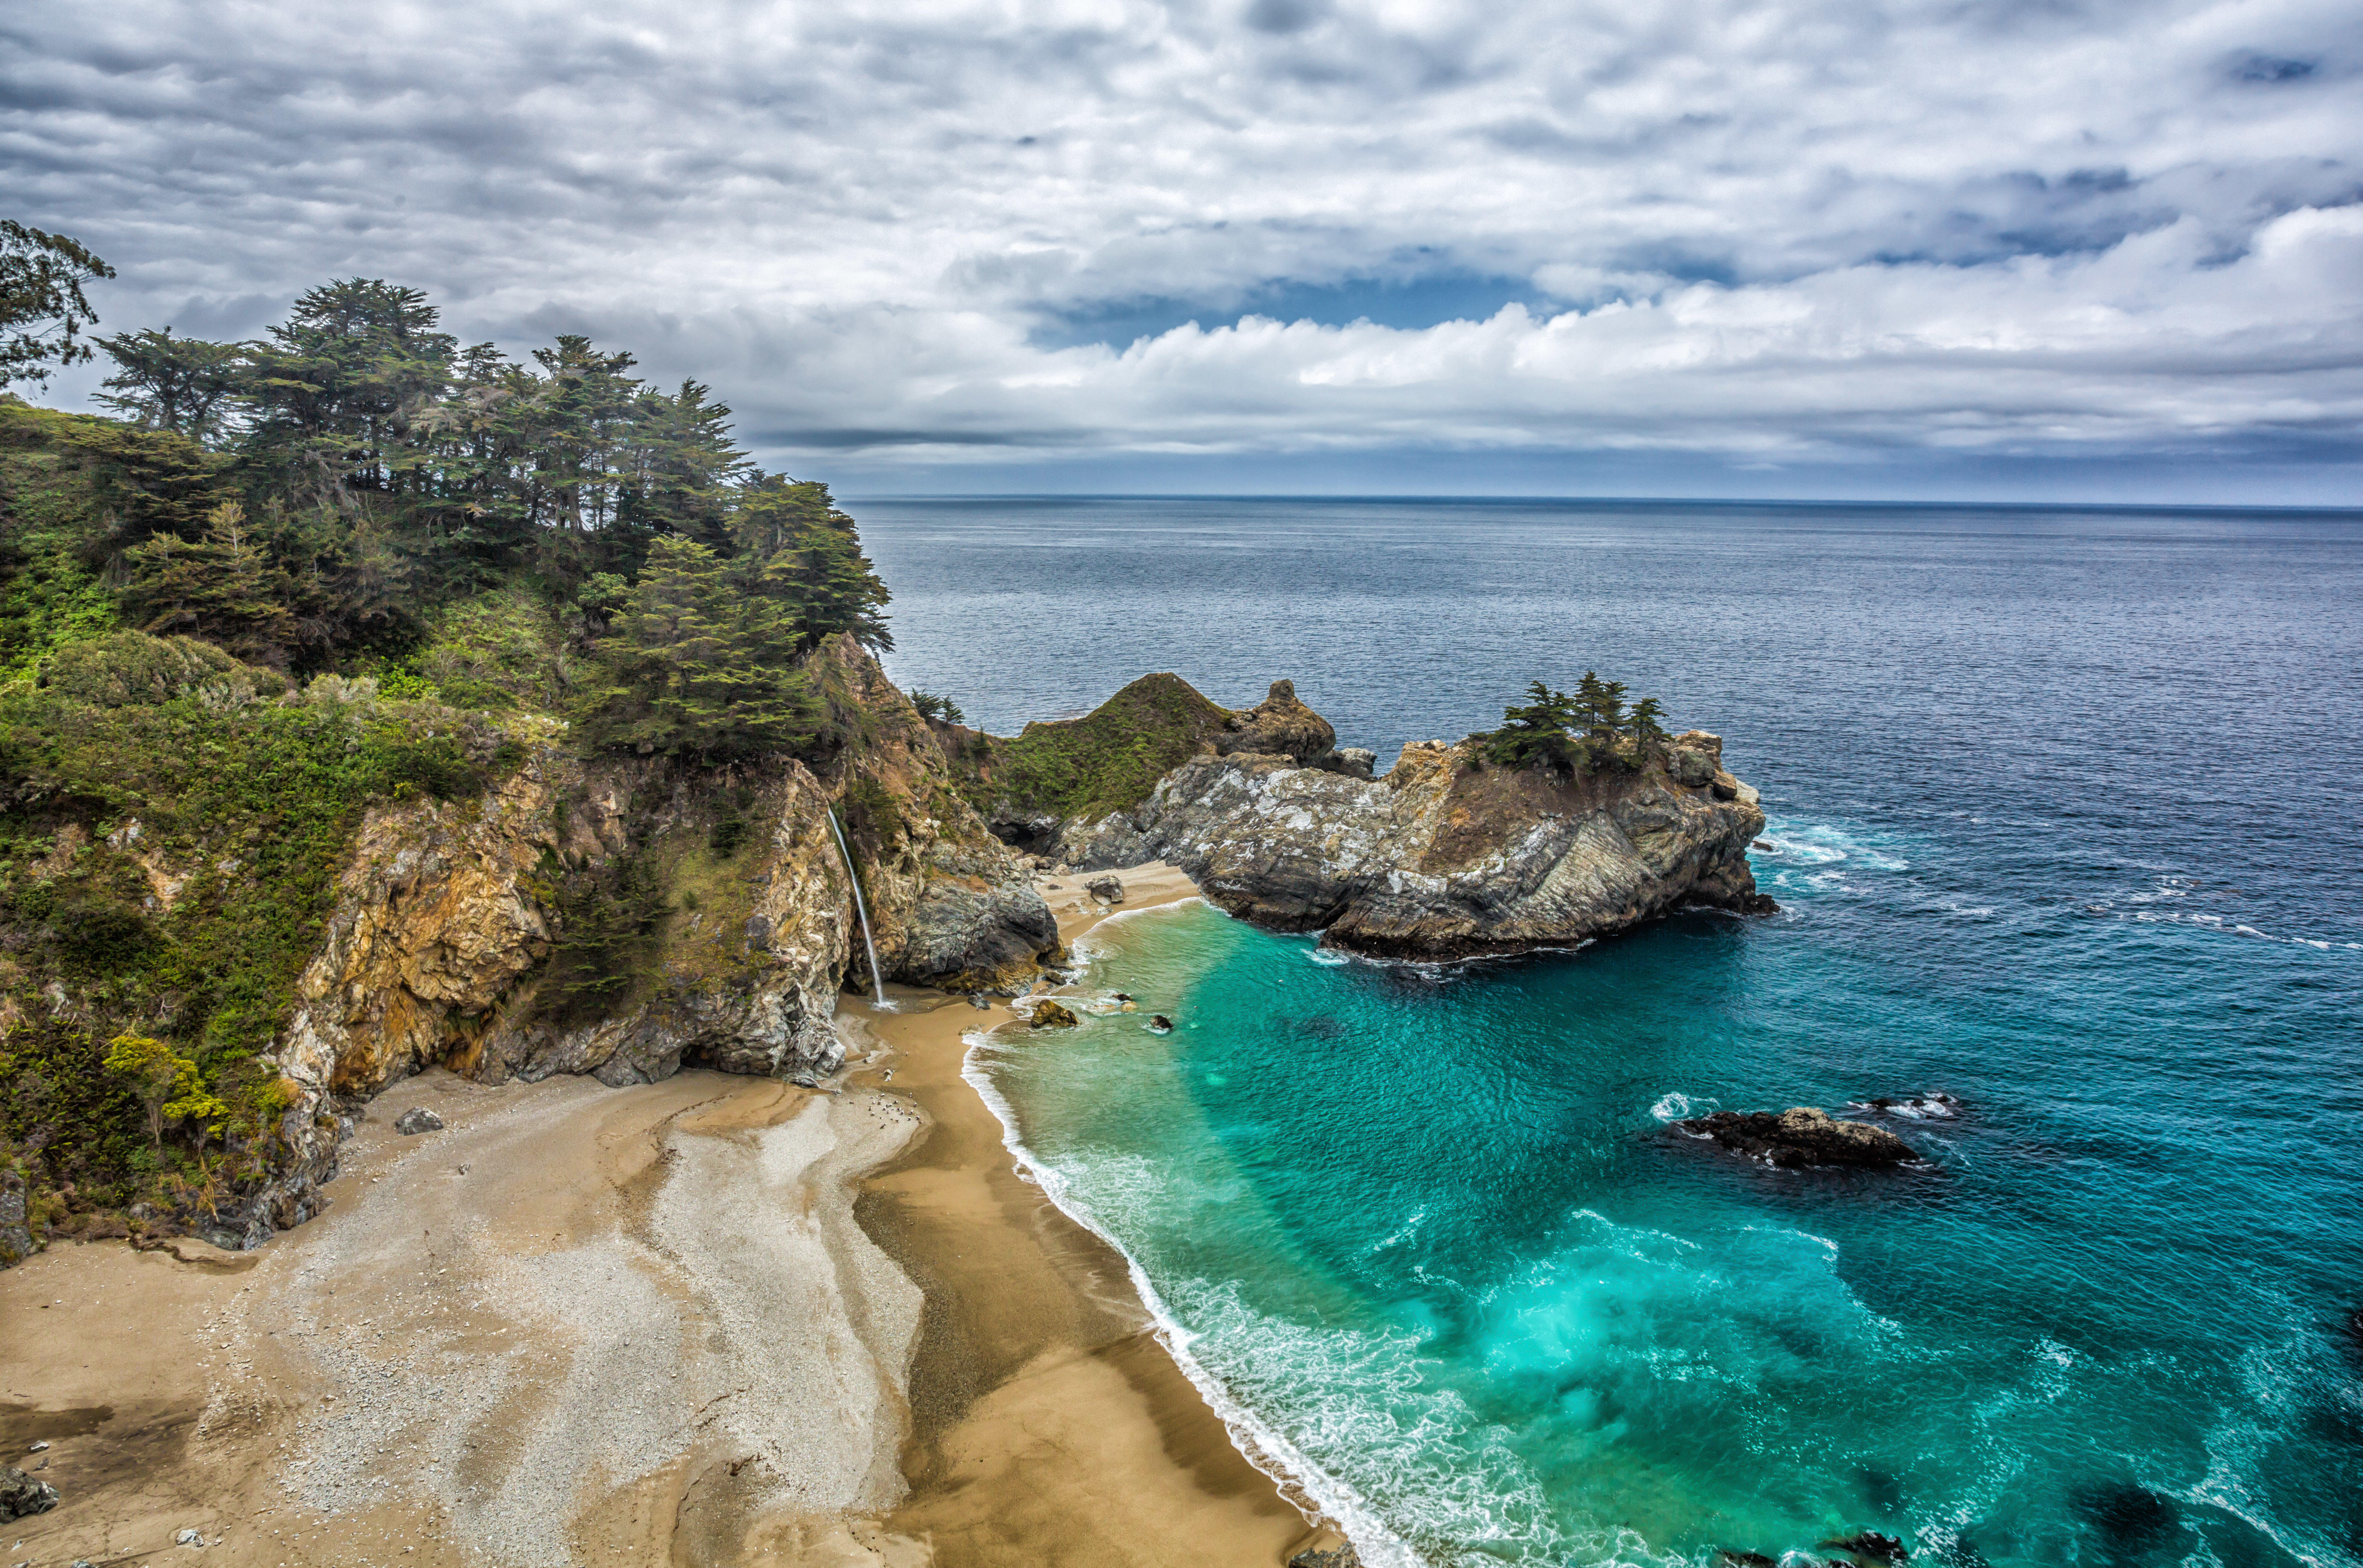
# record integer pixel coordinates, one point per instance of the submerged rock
(1339, 1556)
(1160, 1024)
(1872, 1546)
(21, 1496)
(1801, 1136)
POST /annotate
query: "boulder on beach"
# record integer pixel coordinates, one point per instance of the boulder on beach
(417, 1120)
(22, 1497)
(1801, 1136)
(1106, 889)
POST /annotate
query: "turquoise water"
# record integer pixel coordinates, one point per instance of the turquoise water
(2064, 822)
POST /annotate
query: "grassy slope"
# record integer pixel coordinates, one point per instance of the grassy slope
(1108, 760)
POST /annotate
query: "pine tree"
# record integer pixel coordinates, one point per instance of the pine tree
(1642, 725)
(701, 663)
(41, 305)
(225, 588)
(1540, 730)
(809, 556)
(182, 384)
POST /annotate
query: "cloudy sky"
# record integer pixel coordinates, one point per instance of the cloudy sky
(2012, 247)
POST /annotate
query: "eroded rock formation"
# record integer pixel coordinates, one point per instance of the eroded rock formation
(1446, 856)
(440, 949)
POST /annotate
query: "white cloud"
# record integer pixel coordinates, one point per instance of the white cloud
(1746, 227)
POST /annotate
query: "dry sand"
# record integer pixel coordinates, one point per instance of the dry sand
(714, 1321)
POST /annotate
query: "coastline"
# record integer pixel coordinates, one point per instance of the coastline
(1050, 1422)
(715, 1319)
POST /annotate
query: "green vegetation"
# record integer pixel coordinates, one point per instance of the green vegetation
(1107, 761)
(169, 845)
(1591, 730)
(41, 305)
(351, 563)
(935, 709)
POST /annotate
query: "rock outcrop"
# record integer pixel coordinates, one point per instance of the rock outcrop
(1446, 856)
(1798, 1136)
(440, 947)
(15, 1237)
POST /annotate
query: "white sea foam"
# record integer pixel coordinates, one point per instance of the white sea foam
(1676, 1106)
(1264, 1447)
(1328, 957)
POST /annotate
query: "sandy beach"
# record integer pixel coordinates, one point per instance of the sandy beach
(711, 1321)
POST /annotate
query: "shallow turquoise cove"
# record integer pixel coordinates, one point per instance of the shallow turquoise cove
(2064, 823)
(1430, 1229)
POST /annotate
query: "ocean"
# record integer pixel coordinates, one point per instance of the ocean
(2064, 821)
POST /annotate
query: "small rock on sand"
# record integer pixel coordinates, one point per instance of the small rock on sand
(417, 1120)
(21, 1496)
(1106, 889)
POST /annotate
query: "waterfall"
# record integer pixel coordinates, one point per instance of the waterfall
(877, 987)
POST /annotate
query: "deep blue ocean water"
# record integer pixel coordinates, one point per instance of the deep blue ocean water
(2065, 821)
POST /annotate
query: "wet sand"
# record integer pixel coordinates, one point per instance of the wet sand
(1048, 1424)
(711, 1320)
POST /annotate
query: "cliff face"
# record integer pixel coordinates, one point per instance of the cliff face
(449, 942)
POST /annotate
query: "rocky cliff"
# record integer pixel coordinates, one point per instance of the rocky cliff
(538, 912)
(1446, 855)
(451, 936)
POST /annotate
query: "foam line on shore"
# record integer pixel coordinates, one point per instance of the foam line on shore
(1262, 1447)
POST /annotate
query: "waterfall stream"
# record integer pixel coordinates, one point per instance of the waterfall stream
(877, 986)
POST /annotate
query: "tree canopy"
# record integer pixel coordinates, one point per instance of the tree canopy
(42, 309)
(1575, 734)
(356, 470)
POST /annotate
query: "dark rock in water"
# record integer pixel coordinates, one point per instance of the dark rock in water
(1801, 1136)
(22, 1497)
(1048, 1014)
(1745, 1559)
(1342, 1555)
(1321, 1026)
(1123, 995)
(417, 1120)
(1871, 1547)
(1106, 889)
(1760, 844)
(1160, 1024)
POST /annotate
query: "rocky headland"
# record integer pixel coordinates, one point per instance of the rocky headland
(1445, 857)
